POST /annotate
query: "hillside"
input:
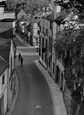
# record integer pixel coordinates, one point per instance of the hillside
(39, 2)
(30, 6)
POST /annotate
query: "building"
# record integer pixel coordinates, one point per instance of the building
(45, 41)
(36, 26)
(23, 26)
(57, 67)
(21, 14)
(7, 79)
(7, 59)
(3, 84)
(49, 27)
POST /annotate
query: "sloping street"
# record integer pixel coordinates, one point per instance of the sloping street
(34, 97)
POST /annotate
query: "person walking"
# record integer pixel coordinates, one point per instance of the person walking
(19, 56)
(21, 59)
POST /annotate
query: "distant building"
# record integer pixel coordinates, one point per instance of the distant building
(21, 15)
(36, 26)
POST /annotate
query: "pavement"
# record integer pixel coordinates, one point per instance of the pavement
(58, 103)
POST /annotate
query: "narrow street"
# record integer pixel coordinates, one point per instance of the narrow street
(34, 97)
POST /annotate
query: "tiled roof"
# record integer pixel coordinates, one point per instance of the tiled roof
(4, 54)
(6, 29)
(5, 49)
(50, 17)
(3, 65)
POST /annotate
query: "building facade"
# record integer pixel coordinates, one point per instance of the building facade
(3, 86)
(49, 27)
(7, 60)
(7, 78)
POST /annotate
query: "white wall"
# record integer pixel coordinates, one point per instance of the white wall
(35, 33)
(11, 55)
(5, 100)
(3, 89)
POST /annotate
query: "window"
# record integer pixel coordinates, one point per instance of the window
(11, 63)
(3, 79)
(50, 24)
(38, 32)
(39, 52)
(39, 40)
(46, 43)
(49, 61)
(46, 31)
(45, 58)
(42, 55)
(39, 24)
(42, 41)
(53, 67)
(43, 30)
(40, 28)
(50, 43)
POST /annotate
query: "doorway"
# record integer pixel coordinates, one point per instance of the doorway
(57, 79)
(61, 81)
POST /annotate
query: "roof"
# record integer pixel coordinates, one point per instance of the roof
(6, 29)
(7, 20)
(38, 15)
(50, 17)
(59, 20)
(4, 54)
(26, 19)
(3, 65)
(41, 14)
(5, 49)
(7, 15)
(46, 14)
(21, 14)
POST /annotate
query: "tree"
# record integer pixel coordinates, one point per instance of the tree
(69, 47)
(76, 5)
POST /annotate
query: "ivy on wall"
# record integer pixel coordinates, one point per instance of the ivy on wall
(69, 47)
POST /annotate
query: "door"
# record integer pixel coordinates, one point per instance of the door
(57, 80)
(61, 81)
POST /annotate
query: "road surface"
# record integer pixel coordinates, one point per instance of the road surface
(34, 97)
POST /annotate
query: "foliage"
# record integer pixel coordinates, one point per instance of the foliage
(29, 6)
(69, 47)
(76, 5)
